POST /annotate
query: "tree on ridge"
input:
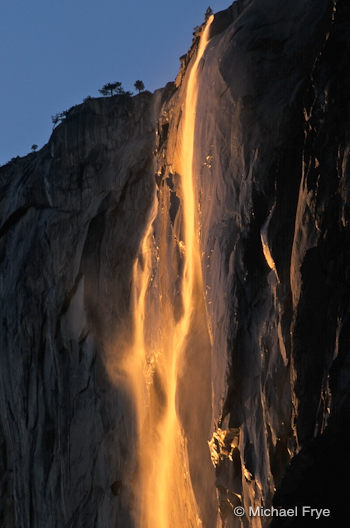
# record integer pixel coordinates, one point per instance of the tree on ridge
(110, 89)
(139, 86)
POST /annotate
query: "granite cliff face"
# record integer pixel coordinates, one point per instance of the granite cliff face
(271, 173)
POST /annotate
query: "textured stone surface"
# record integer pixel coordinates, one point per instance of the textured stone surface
(72, 217)
(272, 148)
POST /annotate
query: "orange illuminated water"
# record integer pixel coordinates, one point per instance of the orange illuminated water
(168, 463)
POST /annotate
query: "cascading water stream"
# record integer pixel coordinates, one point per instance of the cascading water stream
(168, 473)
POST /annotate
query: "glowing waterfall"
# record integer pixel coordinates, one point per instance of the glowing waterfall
(152, 364)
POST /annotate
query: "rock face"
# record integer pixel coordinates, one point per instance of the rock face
(272, 182)
(73, 218)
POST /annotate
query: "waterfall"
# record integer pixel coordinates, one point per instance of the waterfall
(169, 327)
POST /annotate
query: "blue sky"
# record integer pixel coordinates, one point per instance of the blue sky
(53, 53)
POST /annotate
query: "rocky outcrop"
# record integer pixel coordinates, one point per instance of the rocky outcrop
(272, 183)
(72, 218)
